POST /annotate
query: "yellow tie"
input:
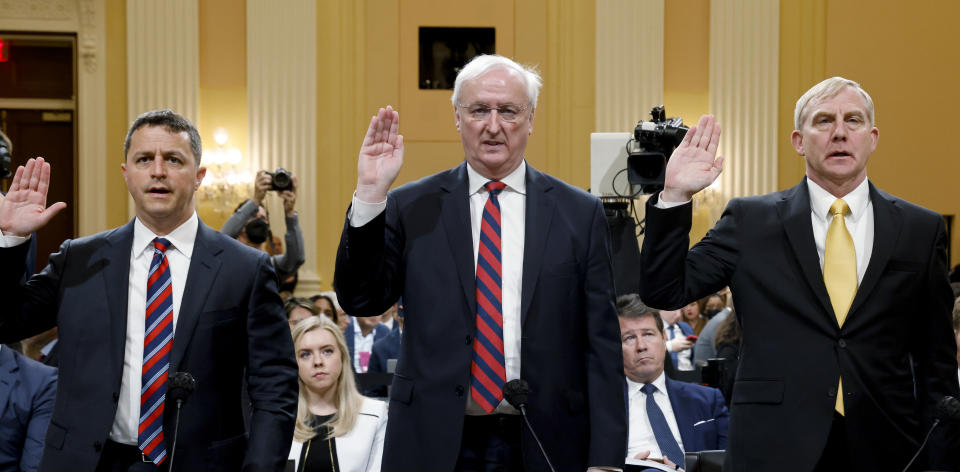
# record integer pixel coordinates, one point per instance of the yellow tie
(840, 271)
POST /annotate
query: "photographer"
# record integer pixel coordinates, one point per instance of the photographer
(250, 223)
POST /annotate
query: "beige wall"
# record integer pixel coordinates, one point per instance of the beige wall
(116, 65)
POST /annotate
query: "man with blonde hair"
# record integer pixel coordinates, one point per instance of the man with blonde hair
(841, 294)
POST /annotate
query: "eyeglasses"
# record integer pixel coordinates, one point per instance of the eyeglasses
(508, 113)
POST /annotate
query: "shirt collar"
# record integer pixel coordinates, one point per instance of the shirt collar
(181, 238)
(857, 200)
(660, 383)
(516, 180)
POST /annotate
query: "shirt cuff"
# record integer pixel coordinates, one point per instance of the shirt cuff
(11, 241)
(665, 205)
(362, 212)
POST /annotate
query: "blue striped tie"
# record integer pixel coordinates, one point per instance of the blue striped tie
(158, 337)
(487, 370)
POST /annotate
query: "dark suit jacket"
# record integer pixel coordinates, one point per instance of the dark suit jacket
(421, 247)
(701, 414)
(383, 350)
(27, 392)
(895, 351)
(230, 319)
(379, 332)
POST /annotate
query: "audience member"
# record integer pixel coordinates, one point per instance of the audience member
(667, 417)
(387, 318)
(727, 344)
(27, 392)
(337, 428)
(361, 333)
(679, 345)
(692, 316)
(384, 350)
(711, 304)
(704, 348)
(326, 307)
(299, 309)
(250, 224)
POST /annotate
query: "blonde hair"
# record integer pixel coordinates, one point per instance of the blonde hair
(347, 398)
(827, 89)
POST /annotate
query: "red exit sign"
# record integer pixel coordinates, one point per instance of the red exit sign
(4, 50)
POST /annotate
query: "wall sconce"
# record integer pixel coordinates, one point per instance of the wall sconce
(227, 183)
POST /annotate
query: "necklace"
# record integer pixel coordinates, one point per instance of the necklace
(306, 454)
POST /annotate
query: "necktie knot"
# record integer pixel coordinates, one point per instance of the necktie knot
(648, 389)
(839, 208)
(161, 244)
(494, 187)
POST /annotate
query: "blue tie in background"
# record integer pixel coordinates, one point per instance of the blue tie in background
(661, 431)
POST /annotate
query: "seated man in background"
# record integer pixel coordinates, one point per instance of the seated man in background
(361, 334)
(386, 349)
(27, 392)
(666, 417)
(250, 224)
(678, 345)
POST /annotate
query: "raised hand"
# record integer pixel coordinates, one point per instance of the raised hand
(381, 156)
(694, 165)
(24, 210)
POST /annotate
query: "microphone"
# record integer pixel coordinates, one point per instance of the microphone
(179, 387)
(948, 409)
(516, 392)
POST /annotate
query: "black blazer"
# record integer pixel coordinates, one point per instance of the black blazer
(230, 319)
(421, 248)
(895, 351)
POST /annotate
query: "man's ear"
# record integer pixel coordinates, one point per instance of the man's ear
(797, 140)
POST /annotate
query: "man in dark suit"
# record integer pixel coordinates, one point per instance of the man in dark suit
(841, 293)
(667, 417)
(162, 294)
(375, 331)
(505, 273)
(27, 391)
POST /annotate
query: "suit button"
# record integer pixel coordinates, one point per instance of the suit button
(468, 340)
(832, 392)
(842, 343)
(459, 390)
(97, 445)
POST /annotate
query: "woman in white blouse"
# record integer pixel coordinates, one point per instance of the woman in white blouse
(337, 428)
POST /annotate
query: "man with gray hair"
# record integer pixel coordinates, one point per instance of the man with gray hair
(505, 273)
(841, 293)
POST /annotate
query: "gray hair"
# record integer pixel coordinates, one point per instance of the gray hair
(827, 89)
(484, 63)
(172, 122)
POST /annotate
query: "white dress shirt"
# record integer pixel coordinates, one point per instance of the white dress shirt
(640, 433)
(513, 207)
(361, 343)
(127, 421)
(859, 222)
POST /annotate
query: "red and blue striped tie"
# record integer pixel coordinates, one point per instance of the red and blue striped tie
(158, 337)
(487, 370)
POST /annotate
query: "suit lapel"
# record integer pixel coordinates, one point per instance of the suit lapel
(204, 265)
(539, 212)
(679, 403)
(455, 213)
(886, 231)
(794, 210)
(8, 368)
(114, 264)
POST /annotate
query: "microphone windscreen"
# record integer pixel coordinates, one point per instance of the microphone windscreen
(516, 392)
(948, 409)
(180, 385)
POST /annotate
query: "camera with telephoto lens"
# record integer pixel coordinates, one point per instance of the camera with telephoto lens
(652, 144)
(5, 157)
(281, 179)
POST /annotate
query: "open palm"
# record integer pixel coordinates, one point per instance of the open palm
(694, 165)
(24, 209)
(381, 156)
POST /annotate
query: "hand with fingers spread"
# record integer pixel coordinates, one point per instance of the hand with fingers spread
(24, 210)
(381, 156)
(694, 165)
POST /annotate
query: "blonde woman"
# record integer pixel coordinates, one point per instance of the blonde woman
(337, 428)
